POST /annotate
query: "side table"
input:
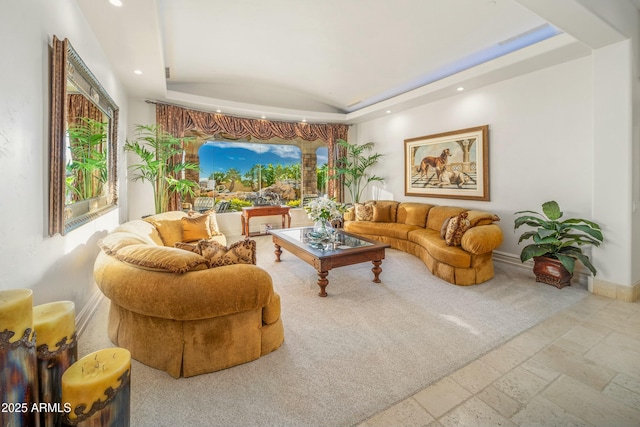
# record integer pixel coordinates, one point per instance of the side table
(254, 211)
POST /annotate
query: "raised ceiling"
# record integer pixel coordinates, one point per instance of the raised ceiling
(321, 60)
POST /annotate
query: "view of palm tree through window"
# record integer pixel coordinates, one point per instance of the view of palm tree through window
(245, 173)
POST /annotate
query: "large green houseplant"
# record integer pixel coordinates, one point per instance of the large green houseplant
(556, 242)
(352, 167)
(161, 165)
(87, 168)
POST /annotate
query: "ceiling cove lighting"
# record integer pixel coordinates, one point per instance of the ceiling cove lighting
(499, 49)
(117, 3)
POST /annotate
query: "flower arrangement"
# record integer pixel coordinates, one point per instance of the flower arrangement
(324, 208)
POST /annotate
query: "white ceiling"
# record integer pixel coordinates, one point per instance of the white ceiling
(322, 60)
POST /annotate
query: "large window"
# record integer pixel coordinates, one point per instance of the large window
(245, 173)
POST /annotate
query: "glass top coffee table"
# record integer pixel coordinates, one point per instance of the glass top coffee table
(343, 249)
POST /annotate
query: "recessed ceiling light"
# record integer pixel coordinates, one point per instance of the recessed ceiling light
(218, 111)
(388, 111)
(460, 89)
(117, 3)
(263, 117)
(137, 72)
(304, 120)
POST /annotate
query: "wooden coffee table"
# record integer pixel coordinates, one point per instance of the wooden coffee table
(349, 249)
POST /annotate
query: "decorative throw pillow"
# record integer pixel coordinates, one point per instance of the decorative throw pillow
(191, 247)
(195, 228)
(117, 240)
(242, 252)
(364, 211)
(213, 222)
(170, 230)
(382, 213)
(161, 258)
(443, 230)
(456, 228)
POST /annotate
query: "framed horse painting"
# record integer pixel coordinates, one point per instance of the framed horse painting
(452, 164)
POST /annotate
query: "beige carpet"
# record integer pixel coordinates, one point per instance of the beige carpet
(350, 355)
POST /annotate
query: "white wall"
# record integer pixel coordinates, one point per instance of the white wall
(540, 142)
(56, 268)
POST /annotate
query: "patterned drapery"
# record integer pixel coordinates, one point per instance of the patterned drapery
(179, 120)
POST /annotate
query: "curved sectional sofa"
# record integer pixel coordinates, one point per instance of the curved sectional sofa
(418, 228)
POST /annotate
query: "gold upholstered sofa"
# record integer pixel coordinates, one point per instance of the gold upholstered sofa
(420, 229)
(173, 312)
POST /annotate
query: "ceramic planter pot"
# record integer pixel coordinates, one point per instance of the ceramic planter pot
(551, 271)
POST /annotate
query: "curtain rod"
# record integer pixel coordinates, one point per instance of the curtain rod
(150, 101)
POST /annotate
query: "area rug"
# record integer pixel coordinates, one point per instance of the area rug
(350, 355)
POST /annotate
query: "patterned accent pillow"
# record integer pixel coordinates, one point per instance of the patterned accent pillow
(191, 247)
(456, 228)
(364, 211)
(242, 252)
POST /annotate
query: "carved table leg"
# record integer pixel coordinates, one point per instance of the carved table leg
(376, 270)
(278, 252)
(323, 282)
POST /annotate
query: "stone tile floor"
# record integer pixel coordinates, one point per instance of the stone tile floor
(578, 368)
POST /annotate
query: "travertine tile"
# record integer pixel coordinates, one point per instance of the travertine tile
(540, 412)
(623, 395)
(503, 359)
(476, 376)
(474, 412)
(440, 397)
(628, 382)
(618, 353)
(542, 371)
(555, 326)
(584, 402)
(521, 385)
(566, 362)
(587, 334)
(406, 413)
(571, 346)
(529, 343)
(499, 401)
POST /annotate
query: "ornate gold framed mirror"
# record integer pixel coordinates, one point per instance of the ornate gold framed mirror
(83, 147)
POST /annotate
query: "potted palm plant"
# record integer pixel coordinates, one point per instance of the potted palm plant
(158, 151)
(352, 167)
(557, 244)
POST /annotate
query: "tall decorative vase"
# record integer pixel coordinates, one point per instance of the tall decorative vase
(97, 390)
(18, 362)
(57, 350)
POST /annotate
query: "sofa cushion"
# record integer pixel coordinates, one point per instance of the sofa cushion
(170, 229)
(394, 207)
(382, 213)
(195, 228)
(161, 258)
(456, 227)
(364, 211)
(117, 240)
(413, 213)
(387, 229)
(438, 249)
(438, 215)
(190, 246)
(213, 221)
(241, 252)
(481, 218)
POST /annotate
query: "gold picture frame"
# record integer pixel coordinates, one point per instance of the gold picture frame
(451, 165)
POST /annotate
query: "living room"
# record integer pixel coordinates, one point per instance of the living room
(565, 129)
